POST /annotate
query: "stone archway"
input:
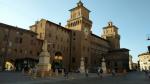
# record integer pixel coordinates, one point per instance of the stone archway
(57, 61)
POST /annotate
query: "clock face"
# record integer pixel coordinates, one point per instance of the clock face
(86, 32)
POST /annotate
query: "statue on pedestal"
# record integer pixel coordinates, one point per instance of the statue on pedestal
(44, 65)
(104, 65)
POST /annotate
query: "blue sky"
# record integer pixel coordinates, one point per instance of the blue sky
(130, 16)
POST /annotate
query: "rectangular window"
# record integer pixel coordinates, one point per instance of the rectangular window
(33, 42)
(56, 38)
(20, 40)
(15, 50)
(53, 45)
(73, 60)
(73, 47)
(86, 60)
(17, 40)
(5, 37)
(21, 33)
(49, 47)
(61, 39)
(32, 35)
(38, 53)
(31, 52)
(21, 51)
(40, 35)
(49, 34)
(74, 34)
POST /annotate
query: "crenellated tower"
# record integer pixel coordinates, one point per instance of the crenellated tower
(80, 24)
(110, 33)
(79, 18)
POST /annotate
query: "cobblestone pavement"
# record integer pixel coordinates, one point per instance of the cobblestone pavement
(75, 78)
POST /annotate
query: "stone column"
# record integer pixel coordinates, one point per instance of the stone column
(104, 65)
(82, 66)
(44, 66)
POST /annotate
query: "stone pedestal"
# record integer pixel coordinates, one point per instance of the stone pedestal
(104, 66)
(82, 66)
(44, 66)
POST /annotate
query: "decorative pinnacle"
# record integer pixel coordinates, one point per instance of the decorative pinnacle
(110, 23)
(103, 59)
(80, 3)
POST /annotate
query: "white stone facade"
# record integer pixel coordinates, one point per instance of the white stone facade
(144, 61)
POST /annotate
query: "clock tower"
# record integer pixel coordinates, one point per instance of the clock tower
(80, 24)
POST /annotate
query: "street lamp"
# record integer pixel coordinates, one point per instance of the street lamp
(58, 61)
(60, 58)
(148, 38)
(56, 57)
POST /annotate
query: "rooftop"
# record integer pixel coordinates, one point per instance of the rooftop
(15, 28)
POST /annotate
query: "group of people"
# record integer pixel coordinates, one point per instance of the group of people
(30, 71)
(33, 71)
(100, 72)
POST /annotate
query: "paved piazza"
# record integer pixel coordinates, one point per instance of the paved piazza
(130, 78)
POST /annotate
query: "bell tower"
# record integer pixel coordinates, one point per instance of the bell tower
(110, 33)
(79, 18)
(80, 24)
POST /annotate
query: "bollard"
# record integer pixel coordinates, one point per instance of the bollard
(62, 71)
(56, 72)
(50, 73)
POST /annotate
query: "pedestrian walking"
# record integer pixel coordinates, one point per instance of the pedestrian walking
(113, 72)
(66, 73)
(86, 72)
(34, 72)
(98, 71)
(146, 73)
(101, 73)
(149, 74)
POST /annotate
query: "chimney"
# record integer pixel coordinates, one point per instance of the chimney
(60, 23)
(110, 23)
